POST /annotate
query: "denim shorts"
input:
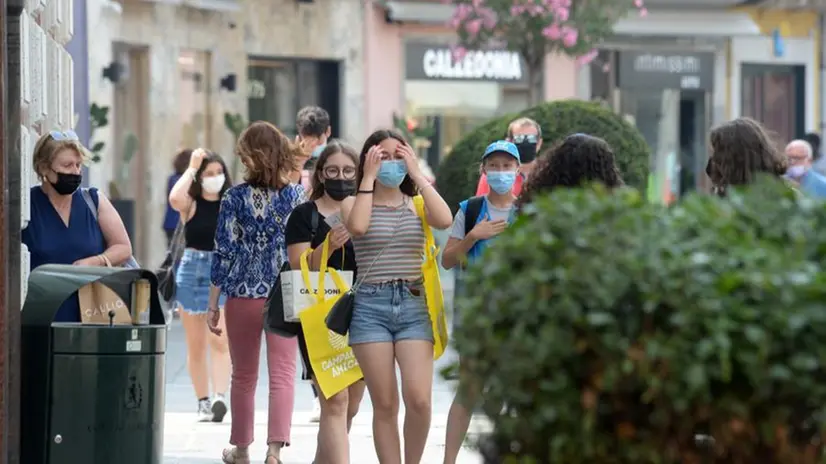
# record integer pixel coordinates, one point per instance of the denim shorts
(192, 281)
(390, 312)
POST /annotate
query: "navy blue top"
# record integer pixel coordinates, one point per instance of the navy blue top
(50, 241)
(250, 246)
(171, 218)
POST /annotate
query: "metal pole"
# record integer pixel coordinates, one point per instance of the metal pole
(10, 303)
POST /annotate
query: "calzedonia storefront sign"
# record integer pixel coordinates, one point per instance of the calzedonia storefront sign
(436, 62)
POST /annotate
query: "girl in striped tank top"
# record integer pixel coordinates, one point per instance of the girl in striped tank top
(390, 320)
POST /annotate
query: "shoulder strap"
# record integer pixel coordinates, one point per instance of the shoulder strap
(314, 221)
(430, 242)
(87, 197)
(474, 207)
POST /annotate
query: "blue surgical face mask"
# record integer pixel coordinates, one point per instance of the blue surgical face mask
(501, 182)
(317, 151)
(392, 173)
(796, 172)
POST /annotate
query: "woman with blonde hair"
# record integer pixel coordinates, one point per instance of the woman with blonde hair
(250, 249)
(64, 228)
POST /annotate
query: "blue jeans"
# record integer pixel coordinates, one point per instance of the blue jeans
(390, 312)
(192, 281)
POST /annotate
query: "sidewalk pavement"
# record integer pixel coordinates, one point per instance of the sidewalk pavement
(188, 442)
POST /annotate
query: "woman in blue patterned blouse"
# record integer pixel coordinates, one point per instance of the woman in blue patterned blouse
(249, 251)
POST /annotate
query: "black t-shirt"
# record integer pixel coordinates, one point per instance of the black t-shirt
(300, 230)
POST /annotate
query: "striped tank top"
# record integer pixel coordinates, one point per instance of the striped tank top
(402, 229)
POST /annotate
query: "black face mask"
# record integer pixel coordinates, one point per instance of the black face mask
(339, 189)
(527, 152)
(67, 183)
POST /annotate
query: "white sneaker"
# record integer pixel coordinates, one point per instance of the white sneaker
(204, 411)
(316, 415)
(219, 408)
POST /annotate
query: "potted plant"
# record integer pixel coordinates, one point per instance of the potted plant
(614, 330)
(99, 118)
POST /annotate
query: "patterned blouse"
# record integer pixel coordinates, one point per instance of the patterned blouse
(249, 240)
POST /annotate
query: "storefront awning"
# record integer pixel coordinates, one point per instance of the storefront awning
(661, 23)
(226, 6)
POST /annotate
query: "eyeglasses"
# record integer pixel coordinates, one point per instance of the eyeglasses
(63, 136)
(346, 173)
(525, 138)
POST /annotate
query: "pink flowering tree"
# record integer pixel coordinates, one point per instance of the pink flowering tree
(535, 28)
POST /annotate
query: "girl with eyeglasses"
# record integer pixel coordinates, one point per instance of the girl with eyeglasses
(390, 321)
(333, 180)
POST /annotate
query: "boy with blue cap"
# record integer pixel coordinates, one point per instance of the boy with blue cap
(479, 220)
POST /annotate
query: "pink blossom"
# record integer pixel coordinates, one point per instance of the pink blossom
(569, 36)
(562, 14)
(454, 21)
(638, 3)
(552, 32)
(473, 27)
(643, 12)
(477, 3)
(587, 58)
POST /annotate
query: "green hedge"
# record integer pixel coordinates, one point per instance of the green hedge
(459, 172)
(614, 330)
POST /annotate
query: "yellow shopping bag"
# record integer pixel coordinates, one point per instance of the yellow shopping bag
(433, 284)
(334, 365)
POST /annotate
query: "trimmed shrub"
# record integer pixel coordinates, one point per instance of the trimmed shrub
(615, 330)
(458, 174)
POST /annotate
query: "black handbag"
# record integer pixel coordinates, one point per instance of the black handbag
(274, 306)
(166, 273)
(341, 314)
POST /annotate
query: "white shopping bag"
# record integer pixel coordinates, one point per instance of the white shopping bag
(297, 296)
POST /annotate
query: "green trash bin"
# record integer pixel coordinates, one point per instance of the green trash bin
(90, 393)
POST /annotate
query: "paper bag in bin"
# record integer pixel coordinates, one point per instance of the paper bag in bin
(96, 300)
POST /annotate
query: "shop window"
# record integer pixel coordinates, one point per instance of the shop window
(277, 89)
(775, 96)
(193, 97)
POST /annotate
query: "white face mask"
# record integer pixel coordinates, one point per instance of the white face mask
(213, 184)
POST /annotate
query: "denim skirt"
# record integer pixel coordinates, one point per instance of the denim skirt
(192, 281)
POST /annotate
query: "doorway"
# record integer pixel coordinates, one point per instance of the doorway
(775, 95)
(675, 124)
(129, 188)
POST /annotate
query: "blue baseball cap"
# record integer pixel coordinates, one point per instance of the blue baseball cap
(502, 146)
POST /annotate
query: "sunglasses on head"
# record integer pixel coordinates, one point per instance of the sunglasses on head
(525, 138)
(63, 136)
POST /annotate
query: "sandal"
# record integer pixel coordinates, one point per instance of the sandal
(230, 456)
(270, 455)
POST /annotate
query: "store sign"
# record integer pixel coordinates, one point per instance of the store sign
(666, 70)
(429, 62)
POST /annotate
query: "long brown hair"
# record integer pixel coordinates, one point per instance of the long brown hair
(334, 147)
(741, 149)
(408, 187)
(269, 156)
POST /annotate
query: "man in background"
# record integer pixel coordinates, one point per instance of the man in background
(313, 126)
(799, 154)
(526, 134)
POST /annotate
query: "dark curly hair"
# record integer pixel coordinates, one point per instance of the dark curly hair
(740, 150)
(578, 159)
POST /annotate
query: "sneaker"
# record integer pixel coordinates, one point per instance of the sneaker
(316, 415)
(204, 410)
(219, 408)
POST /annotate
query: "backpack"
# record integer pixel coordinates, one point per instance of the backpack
(472, 210)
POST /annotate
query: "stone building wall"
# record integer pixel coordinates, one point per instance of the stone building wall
(230, 33)
(46, 99)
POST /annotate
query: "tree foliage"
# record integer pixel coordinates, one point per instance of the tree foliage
(535, 28)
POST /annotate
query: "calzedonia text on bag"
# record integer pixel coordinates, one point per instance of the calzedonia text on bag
(97, 300)
(298, 295)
